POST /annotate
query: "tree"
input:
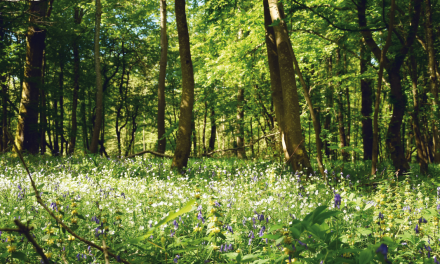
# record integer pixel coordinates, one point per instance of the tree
(183, 142)
(99, 91)
(27, 133)
(162, 142)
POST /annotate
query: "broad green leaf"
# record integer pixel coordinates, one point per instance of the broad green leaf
(366, 256)
(363, 231)
(19, 255)
(274, 227)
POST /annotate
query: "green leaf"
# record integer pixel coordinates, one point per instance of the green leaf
(295, 232)
(250, 257)
(366, 256)
(275, 23)
(19, 255)
(271, 236)
(274, 227)
(364, 231)
(187, 208)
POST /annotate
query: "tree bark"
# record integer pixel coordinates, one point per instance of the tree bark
(99, 91)
(204, 128)
(27, 134)
(432, 78)
(43, 108)
(74, 129)
(275, 80)
(329, 102)
(298, 157)
(183, 144)
(60, 128)
(161, 147)
(366, 109)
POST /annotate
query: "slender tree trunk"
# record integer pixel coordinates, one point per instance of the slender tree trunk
(161, 147)
(421, 154)
(241, 151)
(367, 109)
(43, 109)
(275, 80)
(341, 127)
(347, 98)
(122, 100)
(84, 121)
(133, 130)
(61, 100)
(56, 147)
(432, 78)
(328, 116)
(213, 131)
(27, 137)
(183, 144)
(204, 128)
(194, 137)
(4, 117)
(298, 157)
(99, 91)
(74, 129)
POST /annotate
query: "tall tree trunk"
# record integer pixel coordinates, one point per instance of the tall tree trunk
(194, 137)
(161, 147)
(204, 128)
(43, 108)
(341, 127)
(275, 80)
(99, 92)
(421, 154)
(367, 109)
(121, 101)
(3, 132)
(55, 118)
(183, 144)
(347, 98)
(74, 129)
(241, 151)
(84, 121)
(432, 78)
(27, 126)
(213, 131)
(329, 102)
(60, 129)
(133, 130)
(298, 157)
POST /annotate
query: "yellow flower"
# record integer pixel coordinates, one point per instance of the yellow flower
(163, 240)
(50, 231)
(211, 202)
(60, 240)
(73, 204)
(264, 249)
(213, 210)
(214, 247)
(287, 251)
(118, 217)
(197, 196)
(293, 260)
(213, 219)
(10, 239)
(11, 248)
(48, 254)
(50, 241)
(238, 250)
(74, 220)
(74, 212)
(70, 238)
(215, 230)
(288, 240)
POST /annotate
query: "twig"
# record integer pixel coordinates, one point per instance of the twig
(104, 247)
(40, 201)
(151, 152)
(26, 231)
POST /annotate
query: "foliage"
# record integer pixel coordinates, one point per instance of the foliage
(217, 211)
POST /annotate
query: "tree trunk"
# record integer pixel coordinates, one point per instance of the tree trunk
(432, 78)
(55, 118)
(241, 151)
(298, 157)
(133, 130)
(329, 102)
(421, 154)
(367, 109)
(121, 101)
(194, 137)
(161, 147)
(84, 121)
(204, 128)
(43, 108)
(183, 144)
(73, 131)
(341, 127)
(60, 129)
(275, 80)
(27, 136)
(213, 131)
(99, 91)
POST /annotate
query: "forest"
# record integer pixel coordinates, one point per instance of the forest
(311, 125)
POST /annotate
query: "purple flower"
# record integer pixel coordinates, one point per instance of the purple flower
(251, 235)
(176, 258)
(263, 228)
(416, 229)
(337, 200)
(435, 260)
(176, 225)
(250, 241)
(422, 220)
(302, 244)
(383, 249)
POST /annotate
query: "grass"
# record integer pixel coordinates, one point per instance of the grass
(218, 211)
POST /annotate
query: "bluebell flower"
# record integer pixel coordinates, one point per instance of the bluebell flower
(337, 200)
(263, 228)
(302, 244)
(176, 225)
(250, 241)
(417, 229)
(383, 249)
(422, 220)
(176, 258)
(436, 260)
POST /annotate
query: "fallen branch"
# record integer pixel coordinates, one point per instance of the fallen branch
(40, 201)
(151, 152)
(250, 145)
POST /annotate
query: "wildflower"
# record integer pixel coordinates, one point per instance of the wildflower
(74, 220)
(70, 238)
(436, 260)
(417, 229)
(263, 228)
(48, 254)
(302, 244)
(11, 248)
(74, 212)
(50, 241)
(214, 247)
(337, 200)
(176, 258)
(176, 225)
(215, 230)
(422, 220)
(383, 249)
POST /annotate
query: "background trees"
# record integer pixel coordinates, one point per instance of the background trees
(238, 109)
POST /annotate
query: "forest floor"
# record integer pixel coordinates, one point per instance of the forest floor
(218, 211)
